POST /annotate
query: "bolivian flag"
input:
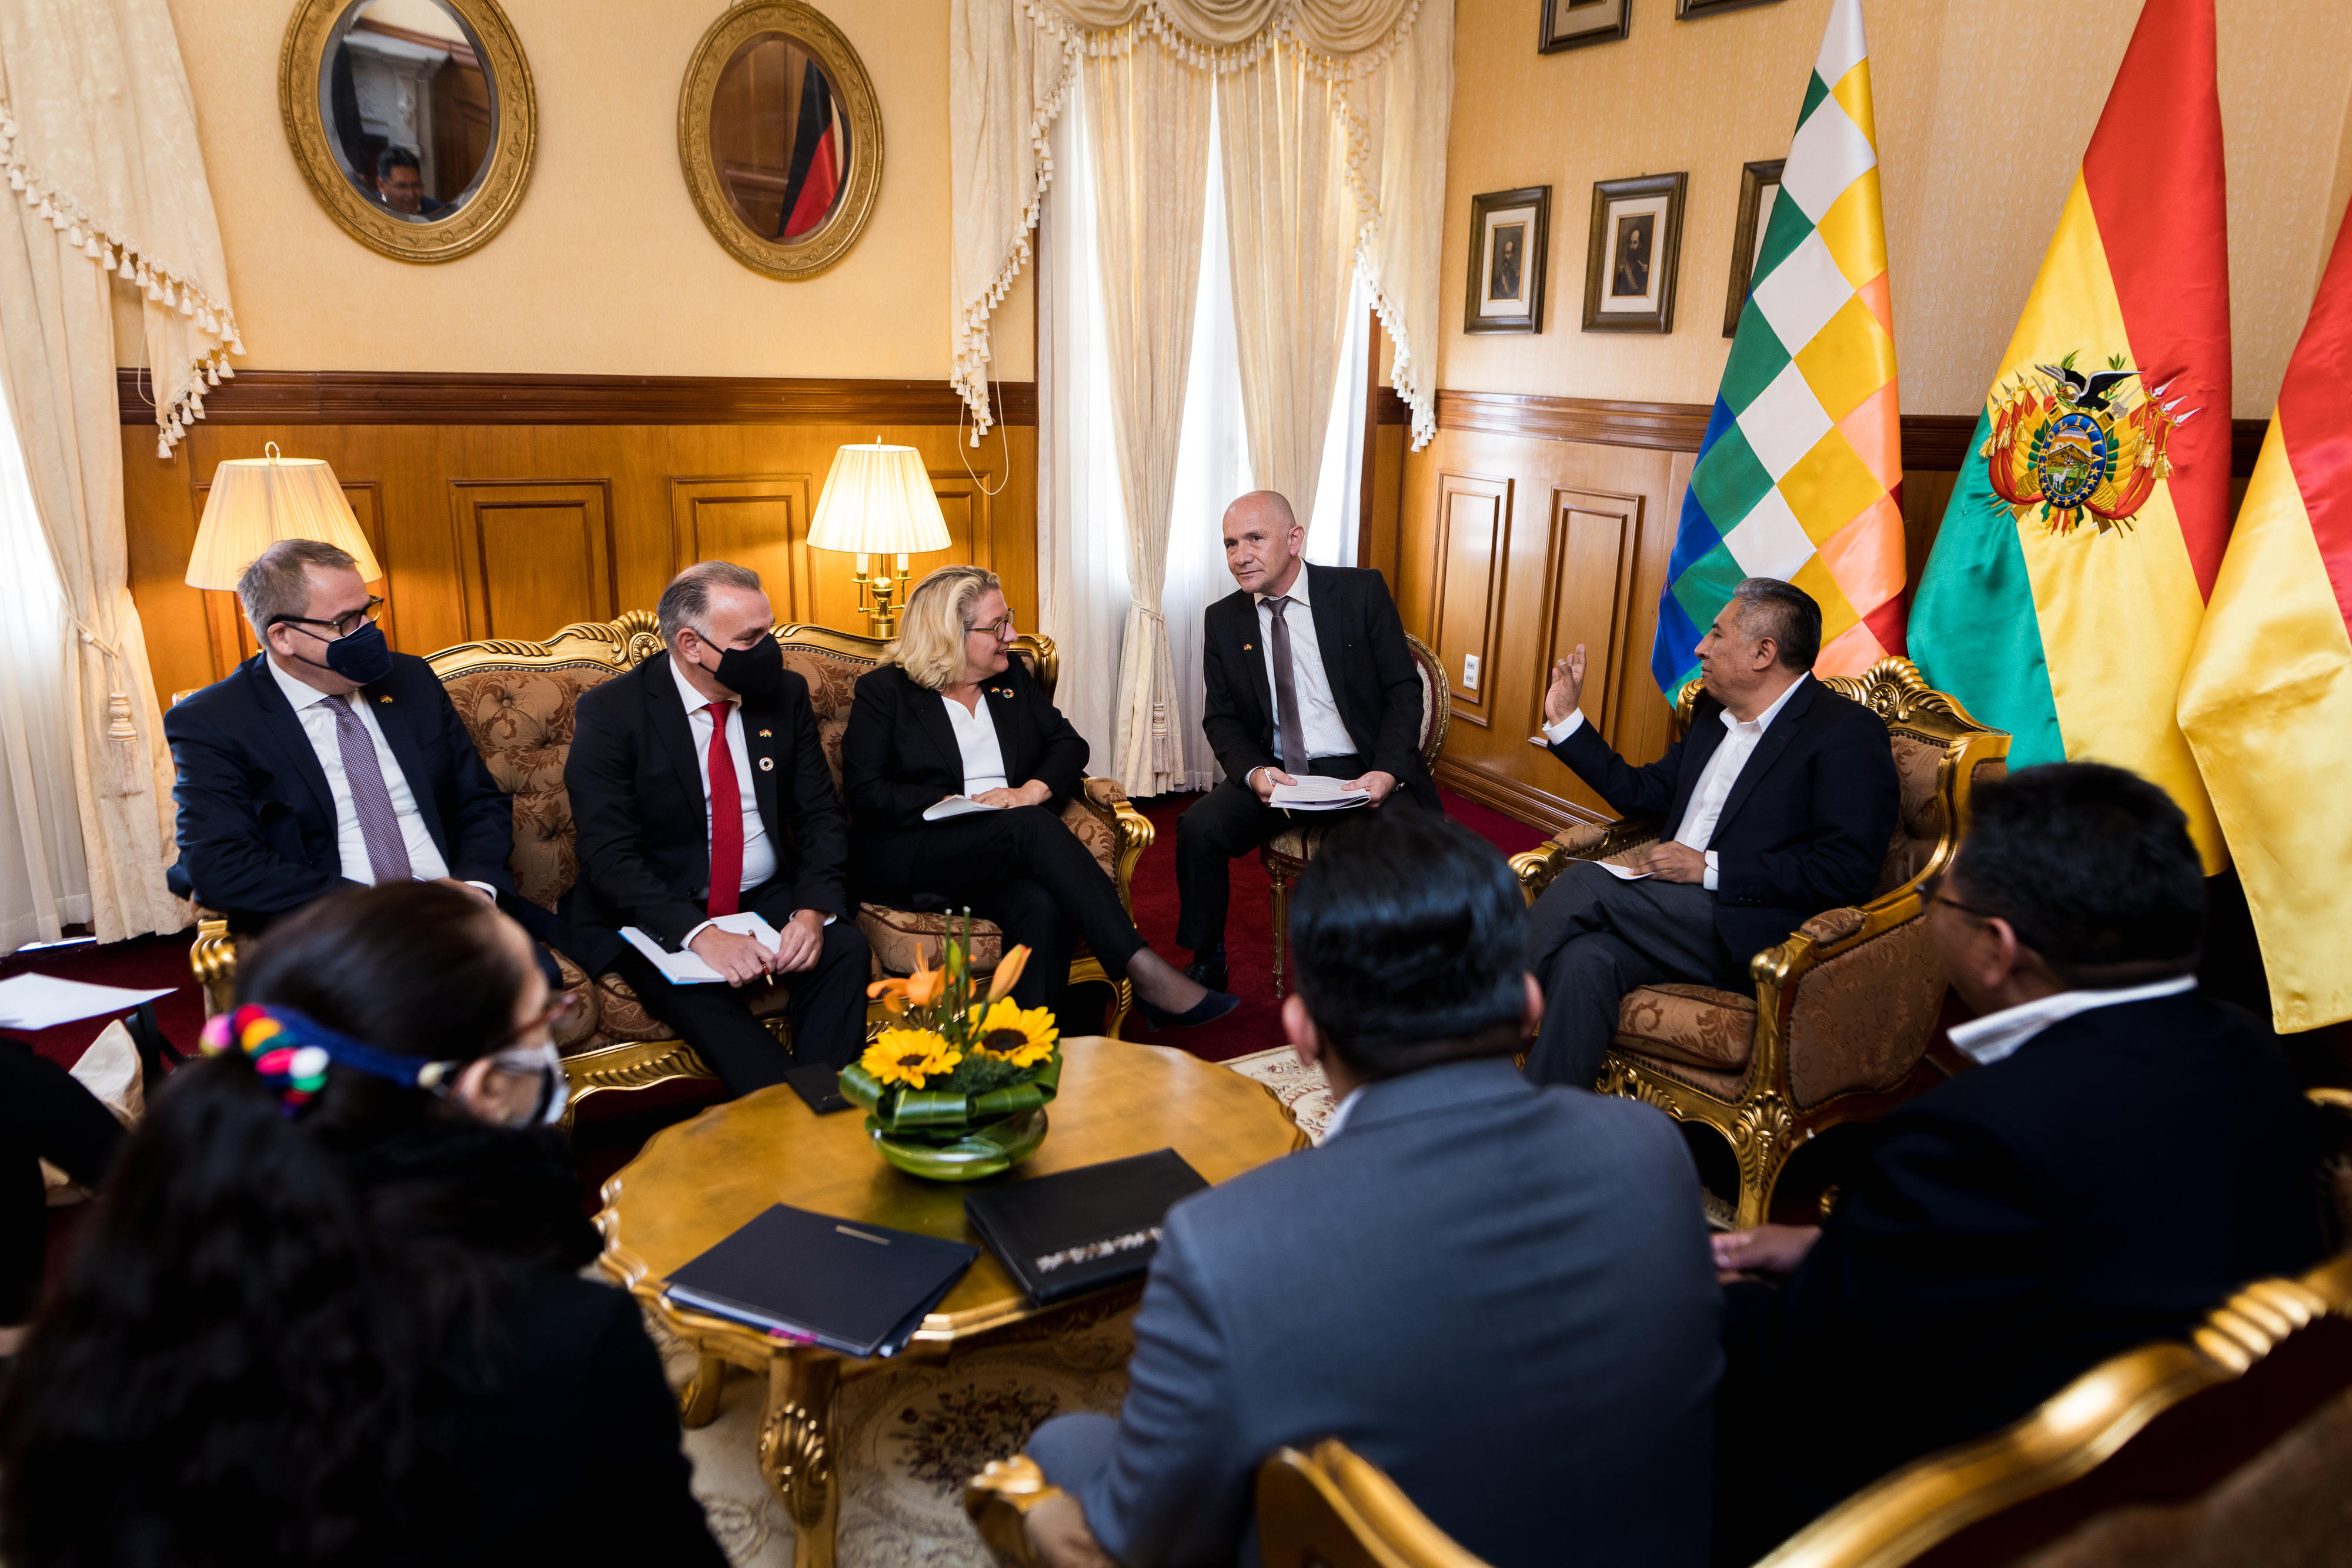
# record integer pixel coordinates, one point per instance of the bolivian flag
(2083, 534)
(2267, 702)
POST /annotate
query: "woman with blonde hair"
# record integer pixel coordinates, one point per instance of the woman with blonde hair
(951, 713)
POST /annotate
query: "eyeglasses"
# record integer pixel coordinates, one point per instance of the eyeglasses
(1000, 627)
(343, 626)
(561, 1006)
(1931, 889)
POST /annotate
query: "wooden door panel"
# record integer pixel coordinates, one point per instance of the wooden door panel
(1592, 554)
(756, 520)
(1474, 526)
(533, 555)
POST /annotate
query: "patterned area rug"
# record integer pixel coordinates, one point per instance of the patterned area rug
(910, 1435)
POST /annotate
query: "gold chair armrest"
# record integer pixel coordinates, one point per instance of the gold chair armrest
(1537, 867)
(212, 960)
(1131, 832)
(999, 1500)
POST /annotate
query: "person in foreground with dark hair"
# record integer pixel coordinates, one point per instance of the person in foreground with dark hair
(1778, 804)
(2128, 1153)
(326, 1312)
(1499, 1294)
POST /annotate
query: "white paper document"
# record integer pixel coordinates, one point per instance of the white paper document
(956, 806)
(1314, 793)
(1622, 872)
(686, 969)
(43, 1001)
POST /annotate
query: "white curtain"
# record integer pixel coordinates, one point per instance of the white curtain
(44, 879)
(1386, 68)
(98, 138)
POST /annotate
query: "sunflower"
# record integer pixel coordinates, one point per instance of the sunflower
(909, 1056)
(1004, 1031)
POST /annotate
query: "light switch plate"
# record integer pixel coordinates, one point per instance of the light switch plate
(1469, 672)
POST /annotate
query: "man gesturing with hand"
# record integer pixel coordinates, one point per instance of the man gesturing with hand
(1777, 805)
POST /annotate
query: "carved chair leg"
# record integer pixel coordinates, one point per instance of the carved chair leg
(698, 1406)
(1761, 1139)
(797, 1451)
(1122, 1002)
(1281, 908)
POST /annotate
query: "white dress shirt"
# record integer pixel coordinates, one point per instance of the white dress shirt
(976, 735)
(1991, 1038)
(318, 721)
(1318, 711)
(1340, 1114)
(759, 854)
(1704, 813)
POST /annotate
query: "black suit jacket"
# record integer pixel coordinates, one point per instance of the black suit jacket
(257, 823)
(1806, 826)
(1514, 1314)
(643, 832)
(898, 756)
(1373, 680)
(2105, 1187)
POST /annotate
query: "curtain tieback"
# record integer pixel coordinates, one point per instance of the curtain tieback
(121, 733)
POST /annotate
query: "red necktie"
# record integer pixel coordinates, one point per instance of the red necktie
(726, 819)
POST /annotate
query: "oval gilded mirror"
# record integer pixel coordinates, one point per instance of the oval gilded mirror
(413, 120)
(781, 138)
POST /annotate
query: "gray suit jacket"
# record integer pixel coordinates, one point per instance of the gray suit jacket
(1501, 1295)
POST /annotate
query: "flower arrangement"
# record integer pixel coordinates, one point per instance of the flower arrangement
(955, 1079)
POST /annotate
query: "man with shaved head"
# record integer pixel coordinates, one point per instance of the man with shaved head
(1307, 673)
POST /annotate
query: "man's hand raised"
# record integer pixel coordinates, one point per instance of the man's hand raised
(1566, 693)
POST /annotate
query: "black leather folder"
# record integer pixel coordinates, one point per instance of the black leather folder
(1062, 1235)
(858, 1289)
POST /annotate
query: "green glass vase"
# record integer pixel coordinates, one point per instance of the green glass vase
(981, 1151)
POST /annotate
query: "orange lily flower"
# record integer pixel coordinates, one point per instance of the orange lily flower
(1008, 973)
(920, 989)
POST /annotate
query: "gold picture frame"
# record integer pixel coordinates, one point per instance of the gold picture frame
(1633, 254)
(859, 118)
(307, 63)
(1510, 235)
(1747, 231)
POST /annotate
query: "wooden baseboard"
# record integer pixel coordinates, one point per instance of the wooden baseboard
(1521, 801)
(405, 397)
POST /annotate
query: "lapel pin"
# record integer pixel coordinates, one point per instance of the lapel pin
(767, 763)
(767, 734)
(1249, 647)
(384, 698)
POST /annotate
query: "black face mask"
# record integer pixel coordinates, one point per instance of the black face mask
(757, 671)
(363, 656)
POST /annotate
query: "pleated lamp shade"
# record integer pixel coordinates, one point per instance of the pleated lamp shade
(256, 501)
(878, 501)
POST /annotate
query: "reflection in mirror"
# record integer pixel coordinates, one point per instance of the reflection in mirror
(409, 106)
(777, 139)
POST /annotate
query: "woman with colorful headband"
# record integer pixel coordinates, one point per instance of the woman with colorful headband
(328, 1309)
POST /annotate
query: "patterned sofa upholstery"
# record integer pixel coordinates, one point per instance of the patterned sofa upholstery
(1844, 1011)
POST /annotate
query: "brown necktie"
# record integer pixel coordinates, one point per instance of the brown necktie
(1290, 728)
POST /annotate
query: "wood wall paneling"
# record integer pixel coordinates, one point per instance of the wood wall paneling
(756, 520)
(1472, 544)
(1591, 582)
(534, 554)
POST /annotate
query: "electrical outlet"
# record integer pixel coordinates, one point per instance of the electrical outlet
(1469, 672)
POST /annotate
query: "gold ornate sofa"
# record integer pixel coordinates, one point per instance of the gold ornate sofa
(1293, 849)
(1845, 1008)
(518, 701)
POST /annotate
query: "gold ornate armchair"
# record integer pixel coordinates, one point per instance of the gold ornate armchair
(1294, 848)
(1843, 1010)
(517, 700)
(1330, 1509)
(2232, 1446)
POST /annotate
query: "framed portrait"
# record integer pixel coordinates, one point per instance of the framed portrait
(1693, 10)
(1572, 24)
(1509, 237)
(1759, 187)
(1633, 254)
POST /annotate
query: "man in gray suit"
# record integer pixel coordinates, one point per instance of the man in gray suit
(1502, 1295)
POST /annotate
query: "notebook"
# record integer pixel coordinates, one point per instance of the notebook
(685, 967)
(1060, 1236)
(861, 1290)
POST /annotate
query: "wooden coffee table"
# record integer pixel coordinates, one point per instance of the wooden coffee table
(694, 1184)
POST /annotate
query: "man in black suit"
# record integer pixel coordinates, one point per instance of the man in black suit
(329, 759)
(1333, 693)
(1499, 1294)
(700, 791)
(1777, 805)
(2128, 1153)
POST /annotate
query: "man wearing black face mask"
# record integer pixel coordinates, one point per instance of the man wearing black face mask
(700, 791)
(329, 759)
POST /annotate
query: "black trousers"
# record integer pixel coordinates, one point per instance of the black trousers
(1021, 868)
(1227, 823)
(827, 1007)
(44, 1113)
(1591, 938)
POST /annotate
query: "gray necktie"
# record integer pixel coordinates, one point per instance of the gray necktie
(1290, 728)
(379, 825)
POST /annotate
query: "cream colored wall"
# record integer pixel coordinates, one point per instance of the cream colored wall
(1983, 109)
(605, 269)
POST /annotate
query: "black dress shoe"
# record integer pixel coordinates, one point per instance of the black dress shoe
(1208, 969)
(1213, 1006)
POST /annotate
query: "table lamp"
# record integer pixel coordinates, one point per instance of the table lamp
(878, 501)
(256, 501)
